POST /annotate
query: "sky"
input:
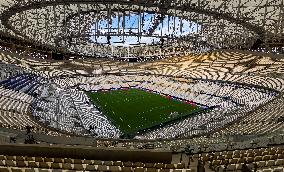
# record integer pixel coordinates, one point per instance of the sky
(169, 25)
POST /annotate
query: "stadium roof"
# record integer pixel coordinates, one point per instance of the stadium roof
(126, 28)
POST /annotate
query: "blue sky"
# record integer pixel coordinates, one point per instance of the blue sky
(169, 25)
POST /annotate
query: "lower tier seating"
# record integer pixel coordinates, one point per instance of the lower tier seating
(260, 159)
(33, 164)
(49, 159)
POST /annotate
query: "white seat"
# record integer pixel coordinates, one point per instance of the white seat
(231, 167)
(279, 162)
(267, 170)
(278, 169)
(270, 163)
(261, 164)
(239, 166)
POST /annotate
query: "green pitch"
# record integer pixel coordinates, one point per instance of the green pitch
(134, 110)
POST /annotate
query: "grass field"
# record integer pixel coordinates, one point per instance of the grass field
(134, 110)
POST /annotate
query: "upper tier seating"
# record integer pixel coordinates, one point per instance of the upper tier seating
(27, 83)
(8, 70)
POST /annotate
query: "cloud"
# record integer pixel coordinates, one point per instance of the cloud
(168, 26)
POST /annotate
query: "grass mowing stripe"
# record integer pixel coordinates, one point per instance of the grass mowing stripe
(134, 110)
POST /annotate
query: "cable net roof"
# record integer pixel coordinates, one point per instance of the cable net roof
(124, 28)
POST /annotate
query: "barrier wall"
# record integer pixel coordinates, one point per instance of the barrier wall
(79, 152)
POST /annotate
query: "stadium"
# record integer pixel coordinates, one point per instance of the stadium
(142, 85)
